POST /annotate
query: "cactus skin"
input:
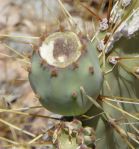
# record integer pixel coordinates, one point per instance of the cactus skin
(61, 94)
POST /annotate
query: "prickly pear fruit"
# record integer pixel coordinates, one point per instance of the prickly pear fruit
(62, 66)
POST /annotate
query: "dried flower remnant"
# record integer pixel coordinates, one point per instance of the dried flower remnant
(61, 50)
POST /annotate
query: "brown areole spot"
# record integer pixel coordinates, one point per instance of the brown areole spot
(75, 66)
(54, 72)
(91, 69)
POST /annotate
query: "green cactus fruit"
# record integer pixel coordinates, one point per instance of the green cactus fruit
(60, 68)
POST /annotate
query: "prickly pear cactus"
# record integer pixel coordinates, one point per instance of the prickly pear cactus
(61, 68)
(68, 80)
